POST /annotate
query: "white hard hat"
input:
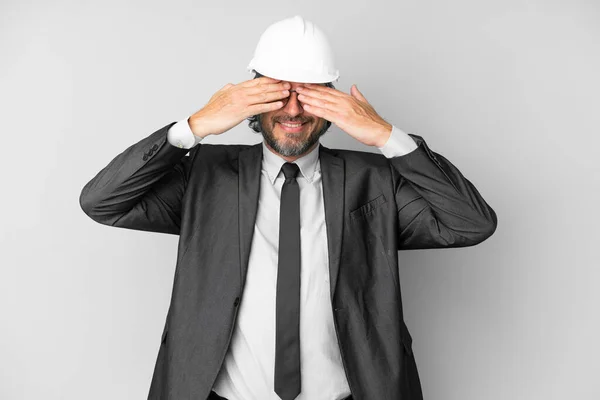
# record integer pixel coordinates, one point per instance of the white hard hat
(294, 50)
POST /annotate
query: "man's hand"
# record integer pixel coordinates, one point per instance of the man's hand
(234, 103)
(351, 112)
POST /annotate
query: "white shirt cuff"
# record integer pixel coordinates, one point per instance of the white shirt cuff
(398, 144)
(181, 135)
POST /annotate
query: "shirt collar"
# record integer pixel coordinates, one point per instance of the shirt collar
(308, 163)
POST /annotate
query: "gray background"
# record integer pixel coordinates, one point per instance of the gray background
(507, 90)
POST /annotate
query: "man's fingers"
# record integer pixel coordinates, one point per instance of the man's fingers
(267, 97)
(321, 102)
(324, 89)
(318, 94)
(357, 94)
(320, 112)
(267, 87)
(264, 107)
(259, 81)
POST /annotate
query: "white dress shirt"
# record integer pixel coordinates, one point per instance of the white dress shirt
(248, 369)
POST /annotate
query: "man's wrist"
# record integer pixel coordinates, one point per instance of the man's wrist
(181, 135)
(194, 129)
(399, 143)
(383, 135)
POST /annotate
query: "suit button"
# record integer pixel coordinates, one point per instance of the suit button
(236, 302)
(145, 157)
(154, 147)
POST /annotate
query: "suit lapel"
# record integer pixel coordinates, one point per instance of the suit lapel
(249, 164)
(332, 171)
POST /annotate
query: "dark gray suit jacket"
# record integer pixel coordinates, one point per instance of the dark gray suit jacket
(374, 207)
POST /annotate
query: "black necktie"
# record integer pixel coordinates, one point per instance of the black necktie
(287, 324)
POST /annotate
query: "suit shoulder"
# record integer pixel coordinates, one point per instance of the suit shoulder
(359, 158)
(225, 151)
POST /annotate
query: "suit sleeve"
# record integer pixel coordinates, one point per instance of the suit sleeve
(142, 187)
(437, 206)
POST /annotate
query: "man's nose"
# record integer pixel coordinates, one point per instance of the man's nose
(292, 105)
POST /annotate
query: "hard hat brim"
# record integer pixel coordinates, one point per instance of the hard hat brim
(296, 75)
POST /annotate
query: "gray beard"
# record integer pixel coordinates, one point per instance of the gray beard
(290, 149)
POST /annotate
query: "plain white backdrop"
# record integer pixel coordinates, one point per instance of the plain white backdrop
(506, 90)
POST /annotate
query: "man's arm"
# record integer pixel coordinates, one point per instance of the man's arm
(142, 187)
(437, 206)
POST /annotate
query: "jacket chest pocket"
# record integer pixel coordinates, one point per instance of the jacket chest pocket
(365, 250)
(368, 208)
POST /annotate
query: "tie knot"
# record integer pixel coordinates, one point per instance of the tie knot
(290, 170)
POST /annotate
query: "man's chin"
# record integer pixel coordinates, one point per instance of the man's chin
(290, 144)
(283, 137)
(288, 147)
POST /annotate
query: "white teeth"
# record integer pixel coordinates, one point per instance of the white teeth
(290, 125)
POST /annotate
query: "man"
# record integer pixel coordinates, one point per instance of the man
(286, 284)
